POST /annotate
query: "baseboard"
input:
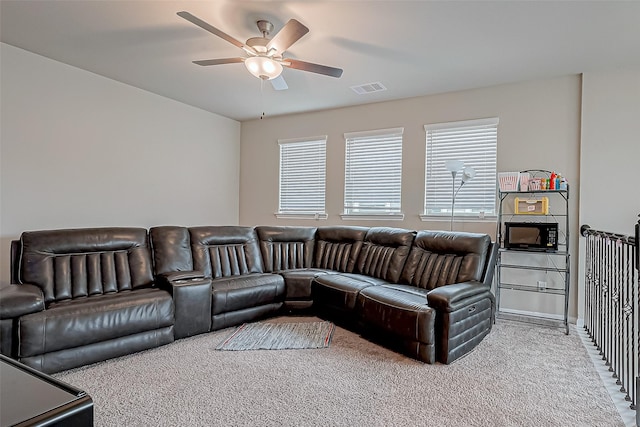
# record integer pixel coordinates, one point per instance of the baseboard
(545, 316)
(533, 318)
(549, 316)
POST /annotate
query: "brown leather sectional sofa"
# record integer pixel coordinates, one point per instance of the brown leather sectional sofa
(84, 295)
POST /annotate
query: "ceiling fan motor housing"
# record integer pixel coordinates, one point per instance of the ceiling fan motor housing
(265, 27)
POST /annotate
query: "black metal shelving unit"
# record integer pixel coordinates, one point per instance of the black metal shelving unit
(555, 262)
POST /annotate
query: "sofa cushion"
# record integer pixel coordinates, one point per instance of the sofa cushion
(286, 248)
(401, 314)
(78, 263)
(384, 253)
(251, 314)
(298, 282)
(340, 290)
(241, 292)
(171, 249)
(69, 358)
(440, 258)
(225, 251)
(338, 247)
(420, 293)
(93, 319)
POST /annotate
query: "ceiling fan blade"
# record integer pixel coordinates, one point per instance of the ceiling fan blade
(278, 83)
(314, 68)
(288, 35)
(219, 61)
(213, 30)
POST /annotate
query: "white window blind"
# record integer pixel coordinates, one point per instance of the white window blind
(302, 176)
(475, 143)
(373, 172)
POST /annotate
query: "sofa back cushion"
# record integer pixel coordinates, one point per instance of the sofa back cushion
(440, 258)
(384, 252)
(224, 251)
(337, 248)
(286, 248)
(75, 263)
(171, 248)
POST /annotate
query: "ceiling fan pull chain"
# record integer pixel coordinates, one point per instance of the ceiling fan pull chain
(262, 97)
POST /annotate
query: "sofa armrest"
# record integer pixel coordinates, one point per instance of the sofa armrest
(165, 279)
(191, 293)
(464, 313)
(490, 265)
(19, 300)
(452, 297)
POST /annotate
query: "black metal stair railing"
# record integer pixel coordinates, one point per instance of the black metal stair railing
(611, 317)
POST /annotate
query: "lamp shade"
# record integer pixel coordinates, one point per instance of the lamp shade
(453, 165)
(468, 174)
(263, 67)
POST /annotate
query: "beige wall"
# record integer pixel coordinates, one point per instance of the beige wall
(539, 128)
(610, 150)
(610, 154)
(80, 150)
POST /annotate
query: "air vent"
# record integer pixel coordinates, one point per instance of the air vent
(368, 88)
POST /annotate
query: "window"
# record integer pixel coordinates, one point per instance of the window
(302, 178)
(373, 174)
(475, 143)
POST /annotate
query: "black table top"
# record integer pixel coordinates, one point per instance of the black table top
(26, 393)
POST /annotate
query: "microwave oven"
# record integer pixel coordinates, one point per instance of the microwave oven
(531, 236)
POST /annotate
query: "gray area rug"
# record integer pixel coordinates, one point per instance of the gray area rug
(519, 375)
(279, 336)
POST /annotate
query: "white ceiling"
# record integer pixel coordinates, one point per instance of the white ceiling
(412, 47)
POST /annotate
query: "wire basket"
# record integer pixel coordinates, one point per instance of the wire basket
(508, 181)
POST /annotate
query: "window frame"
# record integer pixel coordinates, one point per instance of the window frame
(313, 213)
(372, 214)
(426, 215)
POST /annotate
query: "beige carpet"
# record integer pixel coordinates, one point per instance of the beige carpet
(520, 375)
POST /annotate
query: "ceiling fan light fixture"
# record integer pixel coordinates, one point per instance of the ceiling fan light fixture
(263, 67)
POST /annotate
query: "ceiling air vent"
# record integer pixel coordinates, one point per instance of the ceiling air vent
(368, 88)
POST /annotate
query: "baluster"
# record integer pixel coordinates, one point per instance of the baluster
(629, 315)
(588, 285)
(623, 379)
(634, 286)
(599, 305)
(617, 318)
(605, 290)
(615, 301)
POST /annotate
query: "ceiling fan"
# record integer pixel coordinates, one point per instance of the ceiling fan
(265, 59)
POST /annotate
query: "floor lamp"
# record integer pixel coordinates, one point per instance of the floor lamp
(468, 173)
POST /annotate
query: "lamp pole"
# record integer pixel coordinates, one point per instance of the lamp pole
(468, 173)
(453, 197)
(453, 166)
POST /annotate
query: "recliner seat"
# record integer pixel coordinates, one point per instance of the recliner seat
(241, 290)
(288, 252)
(442, 303)
(380, 261)
(98, 293)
